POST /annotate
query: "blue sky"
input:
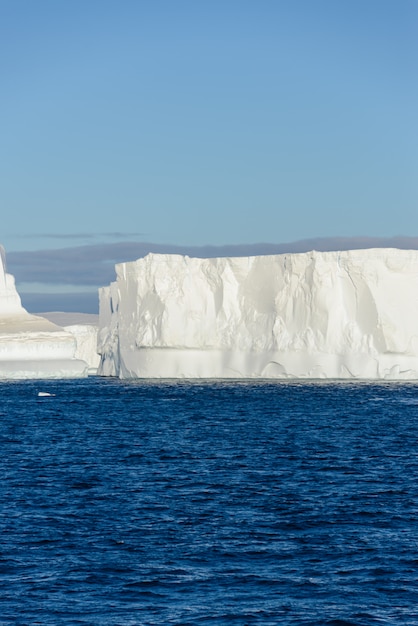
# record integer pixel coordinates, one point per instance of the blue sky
(196, 122)
(208, 122)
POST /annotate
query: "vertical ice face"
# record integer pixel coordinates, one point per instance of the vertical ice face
(347, 314)
(2, 269)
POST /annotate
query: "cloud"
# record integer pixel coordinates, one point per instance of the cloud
(69, 236)
(93, 265)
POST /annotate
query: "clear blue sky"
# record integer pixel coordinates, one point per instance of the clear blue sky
(207, 121)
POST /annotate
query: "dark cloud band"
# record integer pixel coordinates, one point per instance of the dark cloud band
(93, 265)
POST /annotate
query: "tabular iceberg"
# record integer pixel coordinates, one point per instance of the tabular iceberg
(31, 346)
(351, 314)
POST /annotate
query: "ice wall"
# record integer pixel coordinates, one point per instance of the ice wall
(31, 346)
(86, 344)
(351, 314)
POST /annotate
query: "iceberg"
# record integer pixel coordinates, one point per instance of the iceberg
(32, 346)
(315, 315)
(84, 328)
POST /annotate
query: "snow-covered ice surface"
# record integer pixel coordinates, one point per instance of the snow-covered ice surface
(341, 315)
(31, 346)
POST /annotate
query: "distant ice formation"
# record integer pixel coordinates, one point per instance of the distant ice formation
(341, 315)
(31, 346)
(84, 328)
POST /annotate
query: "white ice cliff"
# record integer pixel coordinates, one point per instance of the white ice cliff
(31, 346)
(350, 315)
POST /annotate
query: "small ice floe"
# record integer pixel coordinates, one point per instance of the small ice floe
(45, 394)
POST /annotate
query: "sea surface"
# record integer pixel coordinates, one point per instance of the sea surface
(203, 503)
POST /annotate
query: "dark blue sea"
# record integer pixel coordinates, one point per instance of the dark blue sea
(205, 503)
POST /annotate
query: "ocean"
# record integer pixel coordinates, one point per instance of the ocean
(208, 503)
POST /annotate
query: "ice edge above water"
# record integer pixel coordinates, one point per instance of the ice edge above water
(313, 316)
